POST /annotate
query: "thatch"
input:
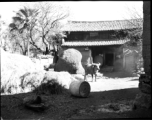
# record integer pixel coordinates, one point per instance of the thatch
(19, 74)
(31, 81)
(70, 61)
(12, 67)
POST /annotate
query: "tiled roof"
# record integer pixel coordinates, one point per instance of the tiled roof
(94, 43)
(102, 25)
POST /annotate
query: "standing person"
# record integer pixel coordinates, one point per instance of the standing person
(57, 50)
(56, 57)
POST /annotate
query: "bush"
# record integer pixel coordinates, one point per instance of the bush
(51, 87)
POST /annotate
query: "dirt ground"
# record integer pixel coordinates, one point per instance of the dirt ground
(111, 88)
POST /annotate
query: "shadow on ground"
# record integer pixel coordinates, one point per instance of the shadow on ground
(122, 96)
(64, 106)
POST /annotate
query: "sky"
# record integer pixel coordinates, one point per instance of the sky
(103, 10)
(83, 10)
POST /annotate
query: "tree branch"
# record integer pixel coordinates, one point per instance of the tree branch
(33, 43)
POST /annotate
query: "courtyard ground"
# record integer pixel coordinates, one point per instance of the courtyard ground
(111, 89)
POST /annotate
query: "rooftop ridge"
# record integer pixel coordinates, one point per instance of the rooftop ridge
(103, 21)
(103, 25)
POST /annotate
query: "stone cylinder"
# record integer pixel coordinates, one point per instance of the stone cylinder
(80, 88)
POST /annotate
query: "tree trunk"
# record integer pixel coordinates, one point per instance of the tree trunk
(46, 51)
(146, 37)
(28, 49)
(25, 52)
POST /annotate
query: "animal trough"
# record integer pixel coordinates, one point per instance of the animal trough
(35, 103)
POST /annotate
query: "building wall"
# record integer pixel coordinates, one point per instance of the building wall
(130, 59)
(129, 62)
(95, 51)
(116, 59)
(112, 55)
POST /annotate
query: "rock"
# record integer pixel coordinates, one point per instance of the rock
(145, 78)
(70, 61)
(145, 88)
(142, 100)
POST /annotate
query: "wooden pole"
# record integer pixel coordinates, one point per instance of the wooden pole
(146, 37)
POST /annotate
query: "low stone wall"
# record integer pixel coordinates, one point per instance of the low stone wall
(43, 60)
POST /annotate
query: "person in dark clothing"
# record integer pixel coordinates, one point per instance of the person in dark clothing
(55, 59)
(55, 54)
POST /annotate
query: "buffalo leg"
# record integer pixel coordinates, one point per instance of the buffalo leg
(92, 77)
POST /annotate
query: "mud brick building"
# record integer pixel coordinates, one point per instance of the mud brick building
(101, 41)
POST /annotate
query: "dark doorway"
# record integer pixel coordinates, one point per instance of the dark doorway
(96, 51)
(109, 59)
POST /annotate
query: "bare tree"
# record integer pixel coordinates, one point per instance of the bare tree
(42, 27)
(136, 21)
(49, 26)
(134, 34)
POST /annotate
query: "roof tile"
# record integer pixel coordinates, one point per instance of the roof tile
(102, 25)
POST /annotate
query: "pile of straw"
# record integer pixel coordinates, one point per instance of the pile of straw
(12, 67)
(19, 74)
